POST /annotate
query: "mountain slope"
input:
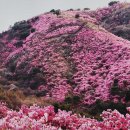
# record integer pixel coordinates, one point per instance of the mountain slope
(68, 52)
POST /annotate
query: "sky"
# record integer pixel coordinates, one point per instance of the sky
(12, 11)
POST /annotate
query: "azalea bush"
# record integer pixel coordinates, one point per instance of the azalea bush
(37, 118)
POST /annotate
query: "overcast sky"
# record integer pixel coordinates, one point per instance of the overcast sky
(12, 11)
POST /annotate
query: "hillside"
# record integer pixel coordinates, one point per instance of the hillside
(79, 60)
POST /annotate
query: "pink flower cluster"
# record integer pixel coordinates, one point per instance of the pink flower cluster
(37, 118)
(99, 61)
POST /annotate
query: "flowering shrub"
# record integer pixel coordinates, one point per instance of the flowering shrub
(102, 13)
(115, 18)
(14, 38)
(37, 118)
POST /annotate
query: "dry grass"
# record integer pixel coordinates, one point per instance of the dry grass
(15, 99)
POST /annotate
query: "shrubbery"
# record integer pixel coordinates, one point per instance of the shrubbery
(113, 2)
(40, 118)
(20, 31)
(77, 16)
(21, 25)
(24, 34)
(57, 12)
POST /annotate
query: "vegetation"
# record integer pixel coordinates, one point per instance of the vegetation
(113, 2)
(71, 61)
(16, 98)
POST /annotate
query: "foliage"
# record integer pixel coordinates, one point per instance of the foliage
(113, 2)
(77, 16)
(35, 117)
